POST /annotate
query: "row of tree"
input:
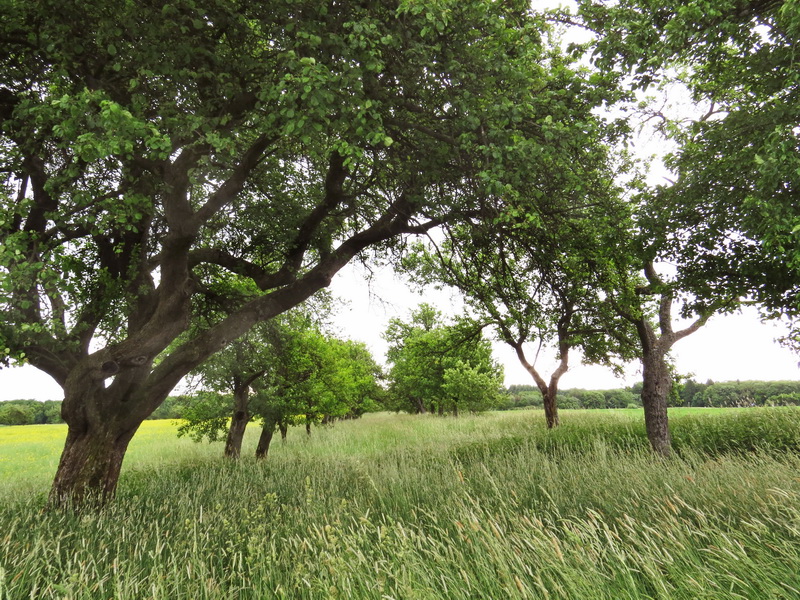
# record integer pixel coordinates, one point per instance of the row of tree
(30, 412)
(210, 412)
(176, 174)
(285, 371)
(739, 393)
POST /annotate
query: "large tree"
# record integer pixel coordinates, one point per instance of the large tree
(726, 227)
(152, 153)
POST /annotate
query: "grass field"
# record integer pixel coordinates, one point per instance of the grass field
(391, 506)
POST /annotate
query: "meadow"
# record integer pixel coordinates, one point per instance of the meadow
(420, 507)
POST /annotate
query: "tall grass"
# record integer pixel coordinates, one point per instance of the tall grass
(418, 508)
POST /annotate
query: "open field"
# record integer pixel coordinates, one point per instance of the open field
(423, 507)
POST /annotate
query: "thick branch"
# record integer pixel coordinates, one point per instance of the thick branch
(540, 382)
(260, 276)
(698, 323)
(234, 184)
(192, 353)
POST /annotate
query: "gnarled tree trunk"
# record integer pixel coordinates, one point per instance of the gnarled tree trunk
(90, 464)
(239, 420)
(656, 376)
(101, 423)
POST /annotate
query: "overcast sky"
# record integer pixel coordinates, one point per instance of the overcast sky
(728, 348)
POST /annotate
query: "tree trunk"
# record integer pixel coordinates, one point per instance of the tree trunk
(101, 423)
(550, 407)
(284, 429)
(239, 420)
(420, 406)
(549, 392)
(455, 410)
(308, 428)
(266, 438)
(90, 465)
(657, 382)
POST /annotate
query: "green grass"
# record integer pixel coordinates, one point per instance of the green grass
(423, 508)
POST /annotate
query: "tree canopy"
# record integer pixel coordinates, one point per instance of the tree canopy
(158, 156)
(440, 366)
(730, 221)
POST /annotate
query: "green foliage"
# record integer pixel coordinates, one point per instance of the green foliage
(620, 398)
(284, 372)
(750, 393)
(16, 414)
(432, 362)
(206, 417)
(522, 396)
(174, 407)
(469, 388)
(30, 412)
(730, 222)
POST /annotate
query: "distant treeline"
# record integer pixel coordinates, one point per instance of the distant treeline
(686, 393)
(33, 412)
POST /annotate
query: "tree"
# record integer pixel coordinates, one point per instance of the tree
(541, 278)
(281, 371)
(732, 211)
(428, 355)
(16, 414)
(633, 300)
(467, 387)
(231, 372)
(619, 398)
(154, 153)
(728, 223)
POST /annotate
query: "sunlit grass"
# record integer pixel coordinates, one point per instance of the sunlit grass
(426, 508)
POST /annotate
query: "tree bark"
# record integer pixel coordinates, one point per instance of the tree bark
(420, 406)
(549, 391)
(656, 386)
(90, 465)
(266, 438)
(284, 429)
(239, 420)
(656, 376)
(550, 407)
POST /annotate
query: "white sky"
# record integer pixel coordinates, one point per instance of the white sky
(726, 349)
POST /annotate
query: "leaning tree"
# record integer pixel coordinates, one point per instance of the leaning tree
(153, 153)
